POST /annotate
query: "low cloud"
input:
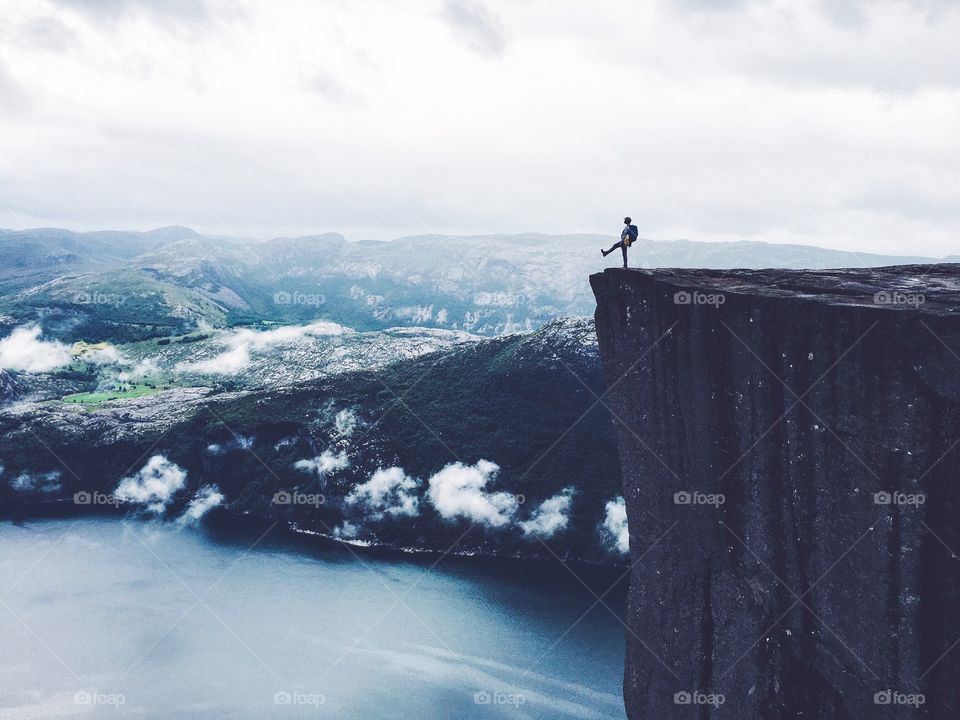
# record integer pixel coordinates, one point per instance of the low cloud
(227, 363)
(347, 531)
(238, 442)
(142, 369)
(416, 314)
(550, 517)
(614, 530)
(25, 482)
(458, 491)
(154, 485)
(24, 350)
(206, 498)
(283, 442)
(389, 491)
(345, 423)
(104, 355)
(244, 342)
(264, 339)
(324, 464)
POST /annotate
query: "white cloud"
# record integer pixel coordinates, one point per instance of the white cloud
(347, 531)
(458, 490)
(243, 342)
(106, 355)
(238, 442)
(345, 422)
(206, 498)
(476, 25)
(24, 350)
(154, 485)
(329, 87)
(142, 369)
(389, 491)
(550, 517)
(785, 120)
(226, 363)
(25, 482)
(324, 464)
(414, 313)
(615, 531)
(283, 442)
(264, 339)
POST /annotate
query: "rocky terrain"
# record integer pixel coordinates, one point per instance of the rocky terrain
(788, 443)
(420, 439)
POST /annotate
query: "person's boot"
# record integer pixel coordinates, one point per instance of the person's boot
(603, 252)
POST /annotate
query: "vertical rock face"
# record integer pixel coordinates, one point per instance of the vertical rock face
(789, 446)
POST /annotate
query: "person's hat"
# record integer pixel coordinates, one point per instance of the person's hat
(627, 220)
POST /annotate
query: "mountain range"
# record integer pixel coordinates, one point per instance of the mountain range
(126, 286)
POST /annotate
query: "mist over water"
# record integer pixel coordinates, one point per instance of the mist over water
(110, 618)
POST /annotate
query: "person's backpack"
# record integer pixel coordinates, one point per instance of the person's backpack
(630, 235)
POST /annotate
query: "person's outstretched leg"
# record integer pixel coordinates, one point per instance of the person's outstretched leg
(612, 248)
(623, 246)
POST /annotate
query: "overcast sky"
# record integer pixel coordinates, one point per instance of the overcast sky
(835, 123)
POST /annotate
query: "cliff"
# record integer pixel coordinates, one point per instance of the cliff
(789, 447)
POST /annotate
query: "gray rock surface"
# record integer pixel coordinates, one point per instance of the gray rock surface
(759, 414)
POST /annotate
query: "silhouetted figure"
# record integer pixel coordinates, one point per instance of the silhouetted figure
(627, 238)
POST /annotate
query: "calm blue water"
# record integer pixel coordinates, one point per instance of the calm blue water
(106, 618)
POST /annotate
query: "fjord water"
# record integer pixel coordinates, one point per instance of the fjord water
(103, 617)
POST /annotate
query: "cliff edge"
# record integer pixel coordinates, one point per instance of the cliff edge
(789, 443)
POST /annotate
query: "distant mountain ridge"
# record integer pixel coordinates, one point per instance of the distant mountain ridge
(123, 286)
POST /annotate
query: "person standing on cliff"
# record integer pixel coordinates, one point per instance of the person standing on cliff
(627, 238)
